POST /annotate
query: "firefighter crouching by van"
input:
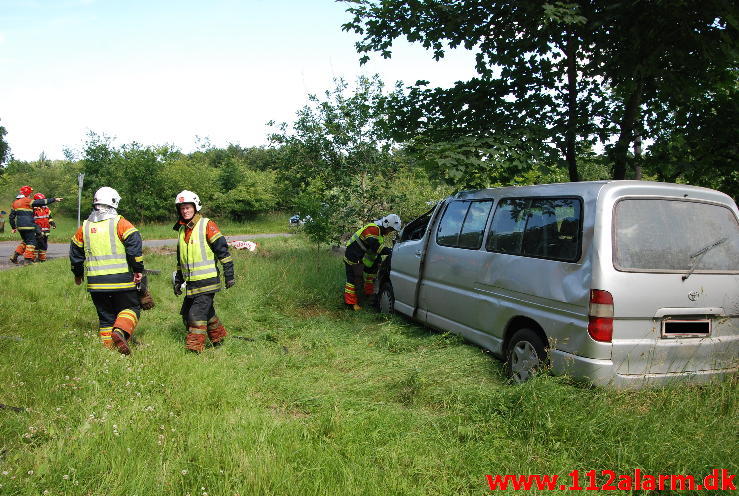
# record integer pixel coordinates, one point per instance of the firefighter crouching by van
(44, 221)
(362, 258)
(200, 244)
(21, 219)
(109, 249)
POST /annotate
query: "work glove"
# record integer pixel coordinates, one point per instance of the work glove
(78, 280)
(230, 283)
(146, 301)
(145, 298)
(177, 281)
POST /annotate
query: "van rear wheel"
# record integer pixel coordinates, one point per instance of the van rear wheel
(526, 355)
(386, 299)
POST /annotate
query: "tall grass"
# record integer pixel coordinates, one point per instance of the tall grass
(272, 222)
(309, 399)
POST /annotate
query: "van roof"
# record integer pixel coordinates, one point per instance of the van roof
(593, 188)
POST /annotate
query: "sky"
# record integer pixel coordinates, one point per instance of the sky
(169, 72)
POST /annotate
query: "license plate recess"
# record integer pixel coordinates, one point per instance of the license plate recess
(682, 327)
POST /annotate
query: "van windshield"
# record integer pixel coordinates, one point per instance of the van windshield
(675, 236)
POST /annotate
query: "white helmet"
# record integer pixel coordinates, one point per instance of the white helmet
(106, 196)
(390, 220)
(186, 196)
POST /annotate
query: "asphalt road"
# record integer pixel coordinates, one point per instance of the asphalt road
(59, 250)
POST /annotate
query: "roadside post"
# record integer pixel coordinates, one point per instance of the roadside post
(80, 181)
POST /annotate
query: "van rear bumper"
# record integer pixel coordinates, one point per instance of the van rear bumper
(603, 373)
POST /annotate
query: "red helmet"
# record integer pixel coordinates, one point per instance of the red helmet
(38, 196)
(26, 190)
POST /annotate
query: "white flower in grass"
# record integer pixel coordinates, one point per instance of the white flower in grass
(46, 491)
(184, 472)
(30, 472)
(65, 476)
(5, 472)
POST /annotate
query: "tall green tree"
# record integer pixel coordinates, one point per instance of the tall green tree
(335, 162)
(562, 75)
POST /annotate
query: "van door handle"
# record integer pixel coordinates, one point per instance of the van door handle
(418, 253)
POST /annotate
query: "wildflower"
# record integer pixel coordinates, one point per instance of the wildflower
(184, 472)
(65, 477)
(30, 472)
(5, 472)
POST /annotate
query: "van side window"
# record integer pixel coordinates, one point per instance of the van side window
(474, 225)
(451, 223)
(537, 227)
(506, 233)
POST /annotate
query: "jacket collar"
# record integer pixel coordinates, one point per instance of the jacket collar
(188, 225)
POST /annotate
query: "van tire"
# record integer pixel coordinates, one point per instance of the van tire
(525, 356)
(386, 299)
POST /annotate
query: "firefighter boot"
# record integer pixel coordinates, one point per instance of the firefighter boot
(195, 340)
(120, 341)
(216, 331)
(14, 257)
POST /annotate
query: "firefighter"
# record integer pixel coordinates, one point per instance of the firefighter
(362, 258)
(109, 248)
(21, 220)
(200, 244)
(42, 218)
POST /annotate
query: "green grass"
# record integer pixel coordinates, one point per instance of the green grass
(316, 400)
(272, 222)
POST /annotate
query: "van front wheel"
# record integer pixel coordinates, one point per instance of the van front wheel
(386, 299)
(526, 355)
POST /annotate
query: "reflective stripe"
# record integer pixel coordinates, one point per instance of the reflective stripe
(211, 270)
(99, 258)
(101, 268)
(204, 289)
(192, 330)
(115, 285)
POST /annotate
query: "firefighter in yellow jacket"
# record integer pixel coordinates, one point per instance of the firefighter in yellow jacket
(109, 248)
(200, 245)
(362, 258)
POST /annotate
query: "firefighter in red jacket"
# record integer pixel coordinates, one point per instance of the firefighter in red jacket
(109, 248)
(21, 220)
(362, 258)
(44, 221)
(200, 245)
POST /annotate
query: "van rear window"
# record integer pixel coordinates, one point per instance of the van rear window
(667, 235)
(537, 227)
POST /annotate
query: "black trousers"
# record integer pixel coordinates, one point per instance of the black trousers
(198, 308)
(109, 304)
(42, 241)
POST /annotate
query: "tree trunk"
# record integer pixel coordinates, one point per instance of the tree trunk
(631, 110)
(637, 156)
(571, 133)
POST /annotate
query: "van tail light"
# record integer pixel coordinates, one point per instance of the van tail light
(600, 325)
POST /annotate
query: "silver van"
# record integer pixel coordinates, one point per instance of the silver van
(619, 282)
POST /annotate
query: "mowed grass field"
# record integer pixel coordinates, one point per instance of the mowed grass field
(272, 222)
(311, 400)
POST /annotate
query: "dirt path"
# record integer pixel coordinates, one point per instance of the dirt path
(59, 250)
